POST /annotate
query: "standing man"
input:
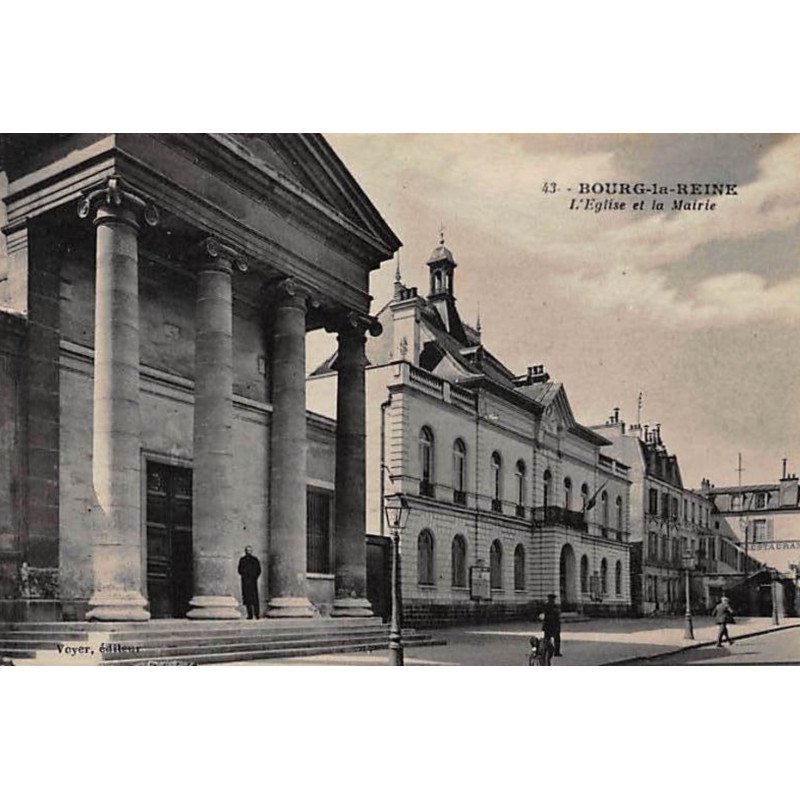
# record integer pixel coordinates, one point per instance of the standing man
(250, 569)
(551, 625)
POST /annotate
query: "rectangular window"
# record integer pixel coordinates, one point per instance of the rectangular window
(319, 518)
(653, 502)
(759, 530)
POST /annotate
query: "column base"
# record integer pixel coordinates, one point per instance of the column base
(214, 607)
(352, 607)
(105, 606)
(291, 607)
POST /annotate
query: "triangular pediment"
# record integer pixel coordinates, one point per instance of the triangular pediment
(307, 160)
(557, 413)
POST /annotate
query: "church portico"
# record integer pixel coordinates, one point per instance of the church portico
(181, 348)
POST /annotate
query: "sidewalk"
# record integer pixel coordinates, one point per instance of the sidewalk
(592, 643)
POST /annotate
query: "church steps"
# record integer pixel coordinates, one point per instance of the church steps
(189, 641)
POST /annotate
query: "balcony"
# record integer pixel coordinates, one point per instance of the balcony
(497, 505)
(544, 516)
(459, 497)
(426, 489)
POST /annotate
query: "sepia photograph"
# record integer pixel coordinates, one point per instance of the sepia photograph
(370, 399)
(343, 336)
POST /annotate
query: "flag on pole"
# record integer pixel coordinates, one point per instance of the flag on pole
(593, 499)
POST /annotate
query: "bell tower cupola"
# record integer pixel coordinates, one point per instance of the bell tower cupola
(441, 264)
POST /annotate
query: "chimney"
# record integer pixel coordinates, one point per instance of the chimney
(615, 416)
(536, 374)
(784, 469)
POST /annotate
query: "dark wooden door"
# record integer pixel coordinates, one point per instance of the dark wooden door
(169, 539)
(379, 587)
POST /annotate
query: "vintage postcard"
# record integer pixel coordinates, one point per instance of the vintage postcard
(399, 399)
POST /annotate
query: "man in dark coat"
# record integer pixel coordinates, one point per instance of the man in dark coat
(250, 569)
(551, 625)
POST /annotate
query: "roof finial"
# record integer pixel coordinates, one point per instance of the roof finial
(397, 278)
(478, 322)
(441, 233)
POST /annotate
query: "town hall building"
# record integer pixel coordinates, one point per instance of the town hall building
(510, 497)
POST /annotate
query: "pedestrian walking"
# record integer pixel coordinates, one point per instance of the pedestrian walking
(250, 569)
(723, 616)
(551, 623)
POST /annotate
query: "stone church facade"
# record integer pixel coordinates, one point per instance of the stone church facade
(156, 291)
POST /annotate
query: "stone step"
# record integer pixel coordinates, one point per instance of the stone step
(227, 652)
(156, 627)
(186, 636)
(51, 643)
(223, 647)
(251, 655)
(17, 652)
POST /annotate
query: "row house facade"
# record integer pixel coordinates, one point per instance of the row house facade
(668, 521)
(757, 531)
(501, 479)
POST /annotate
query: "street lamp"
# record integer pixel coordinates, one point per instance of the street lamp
(396, 509)
(773, 576)
(688, 565)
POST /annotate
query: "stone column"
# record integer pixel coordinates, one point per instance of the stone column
(350, 545)
(287, 539)
(212, 481)
(117, 540)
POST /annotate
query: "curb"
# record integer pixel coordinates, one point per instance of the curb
(633, 660)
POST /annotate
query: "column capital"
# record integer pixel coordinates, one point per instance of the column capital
(353, 324)
(220, 255)
(289, 292)
(114, 203)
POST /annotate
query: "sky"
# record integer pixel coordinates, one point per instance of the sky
(697, 310)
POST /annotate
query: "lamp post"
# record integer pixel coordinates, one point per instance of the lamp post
(773, 575)
(688, 565)
(396, 510)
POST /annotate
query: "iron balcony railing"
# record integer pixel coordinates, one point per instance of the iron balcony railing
(426, 489)
(554, 515)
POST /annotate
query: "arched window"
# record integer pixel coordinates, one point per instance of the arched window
(618, 578)
(604, 510)
(519, 567)
(425, 558)
(584, 575)
(426, 461)
(547, 495)
(619, 517)
(567, 493)
(459, 472)
(520, 488)
(584, 496)
(459, 560)
(604, 577)
(496, 565)
(497, 481)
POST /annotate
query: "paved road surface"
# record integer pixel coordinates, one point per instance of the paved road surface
(777, 648)
(589, 643)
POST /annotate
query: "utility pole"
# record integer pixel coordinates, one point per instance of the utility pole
(743, 526)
